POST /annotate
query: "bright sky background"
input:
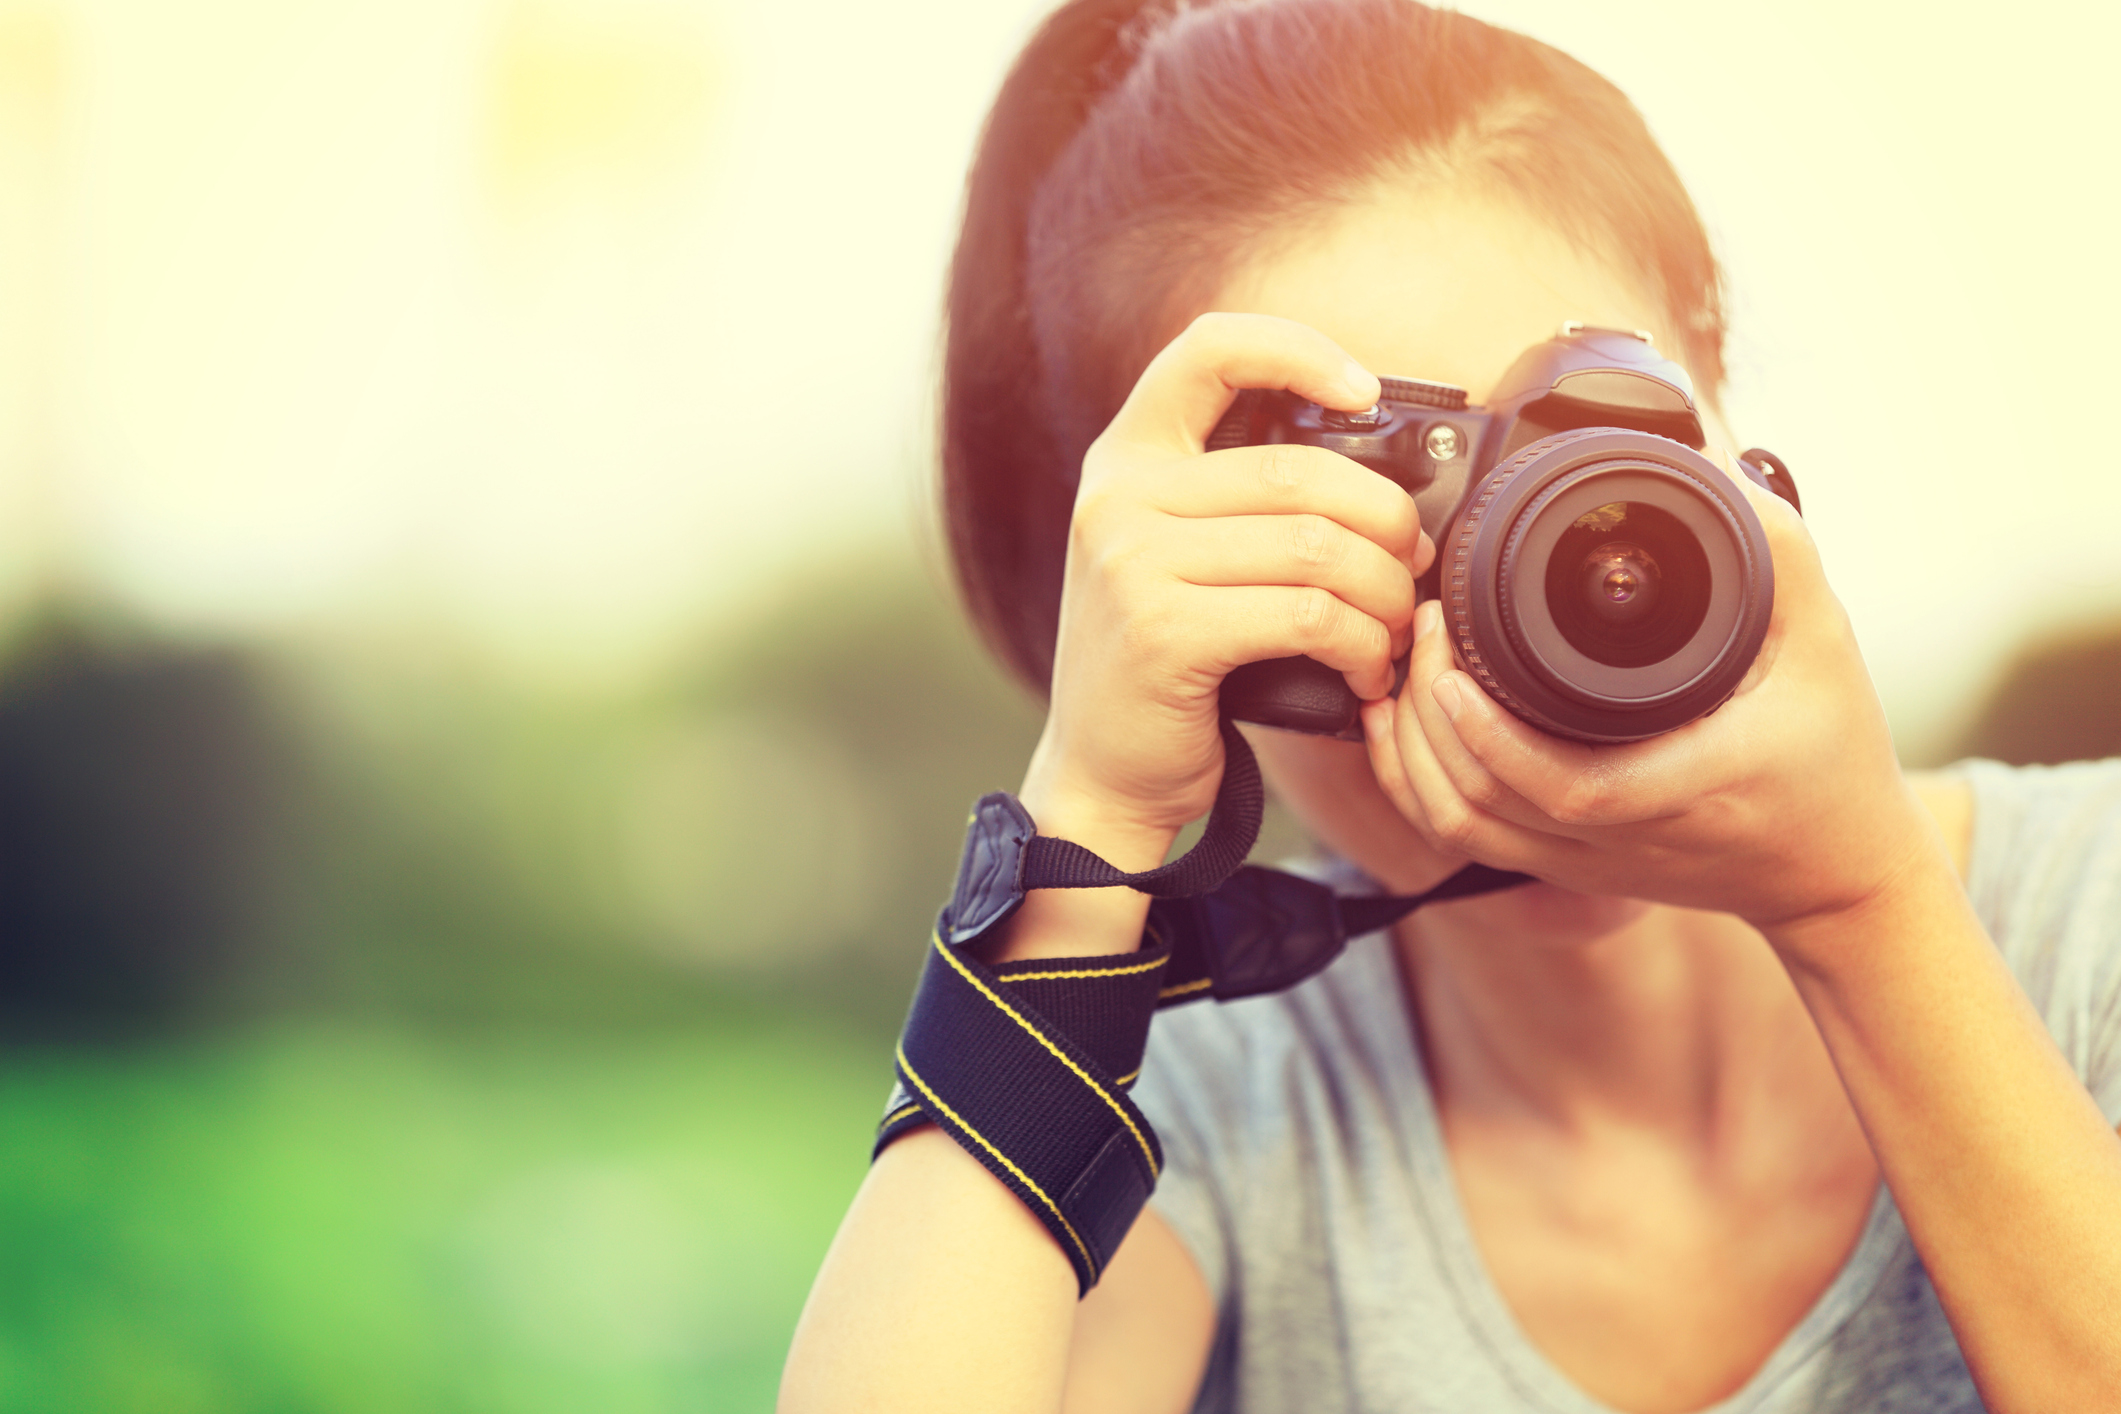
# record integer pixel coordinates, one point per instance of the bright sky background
(574, 327)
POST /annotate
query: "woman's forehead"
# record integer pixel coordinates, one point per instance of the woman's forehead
(1437, 283)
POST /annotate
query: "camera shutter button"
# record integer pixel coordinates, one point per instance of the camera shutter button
(1367, 420)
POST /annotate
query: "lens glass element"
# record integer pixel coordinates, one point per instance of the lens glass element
(1627, 584)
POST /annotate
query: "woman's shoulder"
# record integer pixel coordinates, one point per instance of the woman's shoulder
(2031, 829)
(1997, 818)
(2044, 874)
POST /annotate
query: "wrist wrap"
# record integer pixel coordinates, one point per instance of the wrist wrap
(1042, 1104)
(1027, 1064)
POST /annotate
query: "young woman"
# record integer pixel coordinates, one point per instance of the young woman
(1791, 1085)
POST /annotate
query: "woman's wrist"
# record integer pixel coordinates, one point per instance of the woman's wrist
(1116, 836)
(1844, 942)
(1066, 806)
(1083, 922)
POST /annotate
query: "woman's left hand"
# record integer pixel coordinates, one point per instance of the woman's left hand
(1784, 805)
(1787, 808)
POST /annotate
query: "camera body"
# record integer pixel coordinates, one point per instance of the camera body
(1601, 577)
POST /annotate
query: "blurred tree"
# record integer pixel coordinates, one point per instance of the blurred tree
(2060, 700)
(394, 830)
(145, 809)
(870, 670)
(777, 821)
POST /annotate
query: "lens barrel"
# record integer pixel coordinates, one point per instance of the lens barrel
(1607, 584)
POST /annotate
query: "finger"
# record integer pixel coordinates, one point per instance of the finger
(1489, 755)
(1803, 598)
(1380, 730)
(1583, 788)
(1395, 768)
(1429, 675)
(1381, 738)
(1188, 386)
(1429, 799)
(1288, 479)
(1424, 555)
(1250, 623)
(1790, 543)
(1562, 787)
(1294, 550)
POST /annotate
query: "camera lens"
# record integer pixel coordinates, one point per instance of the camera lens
(1627, 584)
(1620, 582)
(1608, 584)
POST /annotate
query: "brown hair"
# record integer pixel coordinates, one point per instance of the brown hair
(1141, 149)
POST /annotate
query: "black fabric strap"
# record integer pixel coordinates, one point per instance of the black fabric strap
(1232, 830)
(1038, 1101)
(1364, 914)
(1267, 930)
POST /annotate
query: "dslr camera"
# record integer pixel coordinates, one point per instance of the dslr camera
(1600, 577)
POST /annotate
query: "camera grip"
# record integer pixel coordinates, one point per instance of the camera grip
(1296, 694)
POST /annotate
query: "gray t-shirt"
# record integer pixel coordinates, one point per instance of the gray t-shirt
(1307, 1172)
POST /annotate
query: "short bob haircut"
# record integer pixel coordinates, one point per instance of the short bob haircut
(1139, 153)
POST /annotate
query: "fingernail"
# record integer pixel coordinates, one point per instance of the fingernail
(1361, 382)
(1428, 617)
(1448, 696)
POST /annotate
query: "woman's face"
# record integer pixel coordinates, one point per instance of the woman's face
(1435, 283)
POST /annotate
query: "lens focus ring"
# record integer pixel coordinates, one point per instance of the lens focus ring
(1523, 571)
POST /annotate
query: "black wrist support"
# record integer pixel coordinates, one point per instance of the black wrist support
(1027, 1064)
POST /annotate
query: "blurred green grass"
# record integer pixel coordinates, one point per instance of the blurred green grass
(343, 1218)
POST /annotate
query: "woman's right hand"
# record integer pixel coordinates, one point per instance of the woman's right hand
(1184, 564)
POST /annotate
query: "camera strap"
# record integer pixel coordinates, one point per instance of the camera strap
(1027, 1064)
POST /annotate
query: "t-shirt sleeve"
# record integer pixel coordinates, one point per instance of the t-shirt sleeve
(1187, 1080)
(2045, 877)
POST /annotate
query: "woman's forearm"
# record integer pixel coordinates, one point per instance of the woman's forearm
(941, 1290)
(941, 1293)
(2008, 1176)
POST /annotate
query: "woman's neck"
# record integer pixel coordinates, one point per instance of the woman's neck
(1587, 1013)
(1666, 1020)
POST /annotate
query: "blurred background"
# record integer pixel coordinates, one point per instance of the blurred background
(483, 726)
